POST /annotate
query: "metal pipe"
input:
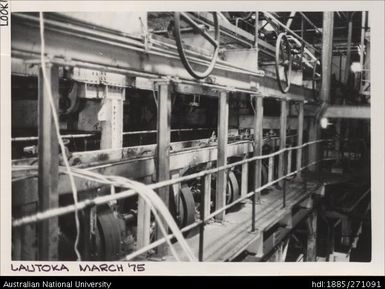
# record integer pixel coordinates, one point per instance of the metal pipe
(363, 29)
(327, 48)
(348, 49)
(291, 18)
(66, 136)
(269, 15)
(202, 226)
(173, 130)
(310, 22)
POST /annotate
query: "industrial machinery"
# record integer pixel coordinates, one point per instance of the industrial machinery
(216, 112)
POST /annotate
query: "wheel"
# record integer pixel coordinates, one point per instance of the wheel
(179, 43)
(232, 189)
(108, 235)
(232, 180)
(283, 58)
(186, 210)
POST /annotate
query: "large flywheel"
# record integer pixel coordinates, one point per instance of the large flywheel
(214, 41)
(108, 235)
(283, 62)
(185, 207)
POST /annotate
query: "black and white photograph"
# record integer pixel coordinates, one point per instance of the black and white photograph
(159, 135)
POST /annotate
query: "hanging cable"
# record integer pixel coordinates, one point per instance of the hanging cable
(47, 86)
(151, 198)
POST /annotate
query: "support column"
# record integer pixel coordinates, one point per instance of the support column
(348, 48)
(327, 52)
(258, 143)
(300, 138)
(282, 138)
(111, 118)
(48, 163)
(314, 132)
(223, 119)
(163, 150)
(144, 220)
(256, 36)
(311, 247)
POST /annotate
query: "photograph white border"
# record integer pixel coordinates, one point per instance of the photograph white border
(376, 15)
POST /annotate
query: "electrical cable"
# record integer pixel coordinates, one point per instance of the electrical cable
(47, 85)
(151, 198)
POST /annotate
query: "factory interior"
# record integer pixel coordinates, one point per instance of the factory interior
(191, 136)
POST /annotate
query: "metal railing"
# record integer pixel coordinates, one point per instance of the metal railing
(88, 203)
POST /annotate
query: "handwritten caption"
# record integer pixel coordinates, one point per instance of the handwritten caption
(82, 267)
(4, 12)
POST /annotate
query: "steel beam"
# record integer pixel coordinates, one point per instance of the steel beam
(223, 119)
(48, 163)
(348, 111)
(282, 142)
(143, 221)
(111, 118)
(311, 247)
(327, 52)
(163, 151)
(109, 52)
(300, 138)
(258, 142)
(349, 48)
(269, 122)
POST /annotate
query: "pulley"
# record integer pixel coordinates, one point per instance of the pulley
(108, 235)
(283, 58)
(185, 207)
(214, 41)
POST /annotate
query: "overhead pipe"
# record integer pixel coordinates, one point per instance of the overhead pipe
(327, 51)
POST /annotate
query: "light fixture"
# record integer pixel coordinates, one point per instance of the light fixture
(356, 67)
(324, 122)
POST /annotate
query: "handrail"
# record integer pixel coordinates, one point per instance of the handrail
(131, 192)
(197, 223)
(55, 212)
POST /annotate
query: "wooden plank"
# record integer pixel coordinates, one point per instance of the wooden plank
(300, 138)
(223, 119)
(282, 133)
(258, 142)
(163, 151)
(48, 164)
